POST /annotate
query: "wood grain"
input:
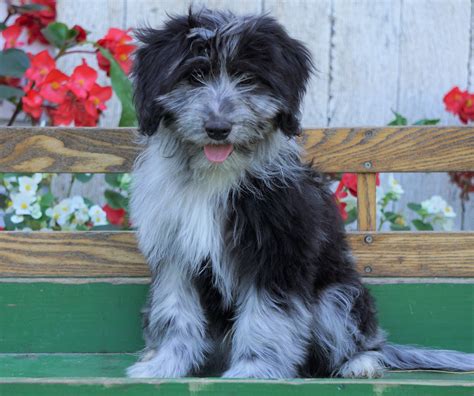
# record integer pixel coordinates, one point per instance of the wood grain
(366, 202)
(392, 149)
(395, 149)
(115, 254)
(70, 254)
(66, 150)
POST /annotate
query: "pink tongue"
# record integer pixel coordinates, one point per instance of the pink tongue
(218, 153)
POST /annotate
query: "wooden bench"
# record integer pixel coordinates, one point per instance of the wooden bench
(70, 302)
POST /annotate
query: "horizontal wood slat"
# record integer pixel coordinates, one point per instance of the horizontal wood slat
(392, 149)
(88, 150)
(387, 149)
(115, 254)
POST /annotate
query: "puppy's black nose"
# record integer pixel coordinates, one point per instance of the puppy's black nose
(218, 129)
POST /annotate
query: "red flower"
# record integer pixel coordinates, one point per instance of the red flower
(99, 95)
(338, 194)
(34, 21)
(82, 80)
(11, 34)
(117, 41)
(73, 109)
(115, 216)
(81, 33)
(460, 103)
(54, 87)
(349, 180)
(467, 111)
(32, 102)
(41, 65)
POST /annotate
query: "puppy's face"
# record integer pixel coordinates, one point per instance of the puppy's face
(220, 83)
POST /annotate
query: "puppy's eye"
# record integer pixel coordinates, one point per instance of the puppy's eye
(247, 81)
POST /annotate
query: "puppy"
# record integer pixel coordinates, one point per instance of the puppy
(251, 272)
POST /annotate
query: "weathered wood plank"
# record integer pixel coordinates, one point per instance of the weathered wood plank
(66, 150)
(310, 22)
(104, 317)
(409, 149)
(434, 32)
(115, 254)
(416, 149)
(70, 254)
(364, 62)
(366, 202)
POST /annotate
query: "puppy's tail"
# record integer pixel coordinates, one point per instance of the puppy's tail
(406, 357)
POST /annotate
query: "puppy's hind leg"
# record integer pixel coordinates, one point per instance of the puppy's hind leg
(175, 330)
(270, 336)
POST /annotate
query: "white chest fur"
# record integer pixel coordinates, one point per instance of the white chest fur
(179, 219)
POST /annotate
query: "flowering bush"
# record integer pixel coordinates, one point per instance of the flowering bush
(433, 213)
(26, 203)
(35, 85)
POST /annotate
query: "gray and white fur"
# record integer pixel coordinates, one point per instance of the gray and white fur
(251, 272)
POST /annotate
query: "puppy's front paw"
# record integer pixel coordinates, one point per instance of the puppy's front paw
(158, 366)
(141, 370)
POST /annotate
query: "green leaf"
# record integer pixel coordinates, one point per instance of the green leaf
(122, 86)
(351, 216)
(3, 201)
(9, 225)
(115, 199)
(426, 121)
(3, 26)
(414, 206)
(398, 227)
(7, 92)
(47, 200)
(113, 179)
(391, 216)
(13, 62)
(421, 226)
(57, 33)
(83, 177)
(399, 119)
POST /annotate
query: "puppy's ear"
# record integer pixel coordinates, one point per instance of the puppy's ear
(161, 52)
(296, 66)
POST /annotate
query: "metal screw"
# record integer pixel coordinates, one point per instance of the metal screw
(368, 239)
(369, 134)
(368, 164)
(368, 269)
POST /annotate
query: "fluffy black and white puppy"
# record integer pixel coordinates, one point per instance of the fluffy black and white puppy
(251, 272)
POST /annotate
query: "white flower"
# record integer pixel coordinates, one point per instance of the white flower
(394, 185)
(17, 219)
(437, 205)
(98, 216)
(448, 224)
(61, 212)
(36, 211)
(37, 177)
(65, 207)
(27, 185)
(77, 202)
(448, 211)
(21, 203)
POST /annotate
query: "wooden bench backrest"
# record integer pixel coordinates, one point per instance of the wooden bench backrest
(364, 151)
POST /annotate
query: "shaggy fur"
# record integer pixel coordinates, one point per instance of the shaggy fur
(252, 274)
